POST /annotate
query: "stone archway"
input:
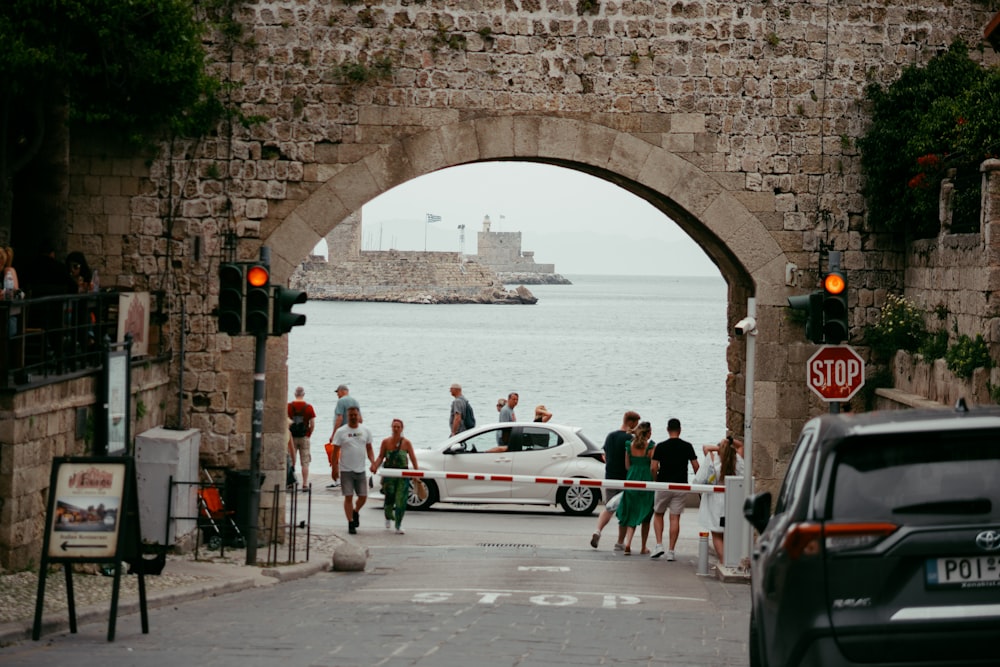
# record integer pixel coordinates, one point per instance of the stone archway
(714, 209)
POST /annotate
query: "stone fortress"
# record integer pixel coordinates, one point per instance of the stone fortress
(409, 276)
(501, 251)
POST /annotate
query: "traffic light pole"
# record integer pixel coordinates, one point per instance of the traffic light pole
(256, 444)
(257, 429)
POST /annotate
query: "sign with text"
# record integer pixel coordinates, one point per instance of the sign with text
(92, 516)
(835, 372)
(87, 509)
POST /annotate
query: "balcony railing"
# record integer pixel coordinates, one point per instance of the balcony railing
(54, 335)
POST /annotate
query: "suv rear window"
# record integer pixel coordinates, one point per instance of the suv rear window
(918, 478)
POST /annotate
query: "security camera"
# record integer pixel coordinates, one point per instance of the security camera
(746, 326)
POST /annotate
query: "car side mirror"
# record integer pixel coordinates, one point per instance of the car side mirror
(456, 449)
(757, 510)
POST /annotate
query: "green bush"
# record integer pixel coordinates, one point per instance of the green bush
(932, 119)
(966, 355)
(935, 346)
(900, 326)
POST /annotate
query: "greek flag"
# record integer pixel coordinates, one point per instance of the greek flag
(433, 218)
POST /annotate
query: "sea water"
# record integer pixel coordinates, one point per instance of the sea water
(587, 351)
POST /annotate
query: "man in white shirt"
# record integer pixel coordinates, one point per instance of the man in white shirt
(351, 444)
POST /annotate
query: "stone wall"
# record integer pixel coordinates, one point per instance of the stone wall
(738, 121)
(392, 273)
(955, 278)
(39, 424)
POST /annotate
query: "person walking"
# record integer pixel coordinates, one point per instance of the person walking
(394, 453)
(460, 418)
(351, 444)
(344, 401)
(721, 461)
(507, 411)
(303, 420)
(670, 464)
(636, 506)
(615, 445)
(506, 416)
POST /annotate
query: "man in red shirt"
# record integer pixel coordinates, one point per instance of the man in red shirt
(302, 418)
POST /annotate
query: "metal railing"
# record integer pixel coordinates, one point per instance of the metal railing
(54, 335)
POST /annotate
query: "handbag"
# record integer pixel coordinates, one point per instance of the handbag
(613, 504)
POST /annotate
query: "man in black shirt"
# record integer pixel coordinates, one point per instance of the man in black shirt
(615, 446)
(670, 464)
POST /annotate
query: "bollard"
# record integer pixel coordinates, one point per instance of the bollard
(703, 554)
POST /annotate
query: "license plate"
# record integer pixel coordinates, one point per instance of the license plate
(970, 572)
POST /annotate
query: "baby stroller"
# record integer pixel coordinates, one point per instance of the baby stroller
(214, 516)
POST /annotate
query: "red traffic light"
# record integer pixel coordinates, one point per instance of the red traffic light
(834, 283)
(258, 275)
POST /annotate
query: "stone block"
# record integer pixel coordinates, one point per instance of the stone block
(495, 137)
(349, 557)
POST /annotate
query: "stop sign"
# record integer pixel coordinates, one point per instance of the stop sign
(835, 372)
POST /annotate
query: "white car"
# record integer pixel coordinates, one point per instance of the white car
(532, 448)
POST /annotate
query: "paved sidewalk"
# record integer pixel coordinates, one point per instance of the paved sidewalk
(182, 579)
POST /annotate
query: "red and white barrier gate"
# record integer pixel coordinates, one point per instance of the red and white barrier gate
(731, 559)
(559, 481)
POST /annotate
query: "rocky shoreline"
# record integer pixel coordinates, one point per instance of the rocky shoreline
(530, 278)
(520, 295)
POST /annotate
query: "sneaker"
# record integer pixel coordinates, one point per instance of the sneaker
(357, 521)
(658, 551)
(333, 486)
(619, 546)
(388, 524)
(595, 538)
(351, 528)
(670, 555)
(400, 531)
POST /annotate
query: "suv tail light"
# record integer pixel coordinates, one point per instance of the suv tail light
(807, 539)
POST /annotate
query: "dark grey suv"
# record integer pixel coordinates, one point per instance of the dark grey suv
(884, 546)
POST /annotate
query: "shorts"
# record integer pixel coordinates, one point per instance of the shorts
(302, 447)
(609, 494)
(675, 500)
(353, 483)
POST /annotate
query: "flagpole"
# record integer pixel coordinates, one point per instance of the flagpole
(428, 220)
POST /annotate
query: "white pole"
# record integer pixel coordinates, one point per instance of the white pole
(748, 418)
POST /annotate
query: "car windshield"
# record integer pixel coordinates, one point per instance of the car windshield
(918, 478)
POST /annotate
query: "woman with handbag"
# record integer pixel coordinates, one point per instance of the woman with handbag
(394, 453)
(721, 460)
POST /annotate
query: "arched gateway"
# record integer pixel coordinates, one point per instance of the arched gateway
(709, 207)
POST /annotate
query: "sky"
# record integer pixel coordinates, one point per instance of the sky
(578, 222)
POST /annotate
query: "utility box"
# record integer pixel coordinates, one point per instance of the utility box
(736, 526)
(160, 454)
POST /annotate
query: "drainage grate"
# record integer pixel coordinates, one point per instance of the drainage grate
(503, 545)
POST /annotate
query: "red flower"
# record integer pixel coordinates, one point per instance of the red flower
(918, 181)
(929, 161)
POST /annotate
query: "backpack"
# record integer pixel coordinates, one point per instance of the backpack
(468, 417)
(298, 427)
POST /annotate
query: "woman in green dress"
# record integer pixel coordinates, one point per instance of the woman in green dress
(394, 452)
(636, 507)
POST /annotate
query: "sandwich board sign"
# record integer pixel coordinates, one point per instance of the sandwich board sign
(92, 517)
